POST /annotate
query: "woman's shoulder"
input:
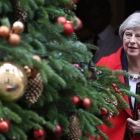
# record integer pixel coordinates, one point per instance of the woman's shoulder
(112, 60)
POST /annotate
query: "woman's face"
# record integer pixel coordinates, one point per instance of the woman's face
(131, 42)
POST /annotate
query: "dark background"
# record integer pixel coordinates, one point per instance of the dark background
(120, 9)
(131, 6)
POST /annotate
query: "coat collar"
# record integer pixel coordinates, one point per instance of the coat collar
(125, 67)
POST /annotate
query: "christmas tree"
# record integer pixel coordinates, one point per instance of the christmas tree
(49, 87)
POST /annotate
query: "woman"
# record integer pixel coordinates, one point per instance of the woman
(126, 58)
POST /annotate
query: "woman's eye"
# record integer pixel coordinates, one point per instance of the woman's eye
(128, 34)
(138, 37)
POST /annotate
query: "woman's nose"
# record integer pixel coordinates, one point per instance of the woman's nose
(133, 39)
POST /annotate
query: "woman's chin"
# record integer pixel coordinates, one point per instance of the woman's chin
(133, 54)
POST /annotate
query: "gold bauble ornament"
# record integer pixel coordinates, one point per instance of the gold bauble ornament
(18, 27)
(13, 80)
(4, 32)
(14, 40)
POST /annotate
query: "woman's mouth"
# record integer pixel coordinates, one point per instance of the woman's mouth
(133, 48)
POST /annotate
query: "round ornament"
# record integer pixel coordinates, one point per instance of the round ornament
(113, 85)
(117, 90)
(79, 23)
(38, 134)
(14, 40)
(4, 32)
(58, 132)
(4, 126)
(104, 113)
(13, 80)
(18, 27)
(62, 20)
(68, 29)
(86, 103)
(76, 101)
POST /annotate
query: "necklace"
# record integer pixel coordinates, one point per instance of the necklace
(134, 77)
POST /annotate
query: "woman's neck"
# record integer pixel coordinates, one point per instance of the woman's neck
(133, 66)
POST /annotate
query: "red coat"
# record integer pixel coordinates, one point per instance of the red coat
(117, 132)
